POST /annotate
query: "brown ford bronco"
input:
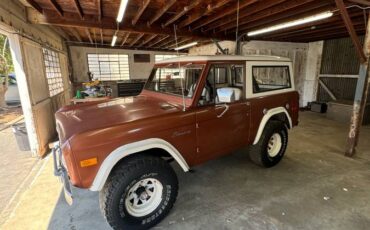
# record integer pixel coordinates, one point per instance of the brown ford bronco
(191, 110)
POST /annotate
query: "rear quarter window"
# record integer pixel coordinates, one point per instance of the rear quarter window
(269, 78)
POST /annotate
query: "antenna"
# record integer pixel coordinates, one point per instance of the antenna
(182, 84)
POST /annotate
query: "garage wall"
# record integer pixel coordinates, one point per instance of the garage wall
(78, 56)
(26, 42)
(297, 52)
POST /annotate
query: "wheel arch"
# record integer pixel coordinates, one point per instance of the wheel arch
(280, 114)
(147, 146)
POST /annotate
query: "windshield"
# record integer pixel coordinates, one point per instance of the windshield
(172, 78)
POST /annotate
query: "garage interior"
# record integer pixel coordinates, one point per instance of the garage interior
(323, 180)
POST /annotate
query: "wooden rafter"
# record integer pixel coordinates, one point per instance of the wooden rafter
(351, 30)
(75, 34)
(35, 6)
(79, 8)
(56, 7)
(101, 37)
(136, 39)
(179, 43)
(100, 9)
(183, 12)
(89, 35)
(161, 12)
(223, 12)
(140, 11)
(196, 16)
(124, 39)
(158, 40)
(151, 37)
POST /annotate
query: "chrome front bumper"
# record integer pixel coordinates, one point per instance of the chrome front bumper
(61, 172)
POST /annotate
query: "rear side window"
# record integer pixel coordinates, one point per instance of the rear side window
(269, 78)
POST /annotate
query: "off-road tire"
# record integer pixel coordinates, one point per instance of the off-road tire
(258, 153)
(129, 172)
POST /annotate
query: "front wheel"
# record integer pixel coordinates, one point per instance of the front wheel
(271, 146)
(139, 193)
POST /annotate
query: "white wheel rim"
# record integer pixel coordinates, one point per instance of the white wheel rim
(274, 145)
(144, 197)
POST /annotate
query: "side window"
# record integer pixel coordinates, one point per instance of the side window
(268, 78)
(224, 84)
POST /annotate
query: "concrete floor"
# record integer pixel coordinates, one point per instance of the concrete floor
(314, 187)
(17, 169)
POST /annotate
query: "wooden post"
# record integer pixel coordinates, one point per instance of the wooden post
(362, 87)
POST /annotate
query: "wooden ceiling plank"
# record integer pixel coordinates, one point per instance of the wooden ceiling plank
(140, 11)
(196, 16)
(125, 38)
(136, 39)
(218, 15)
(161, 12)
(89, 35)
(361, 2)
(35, 6)
(351, 30)
(56, 7)
(183, 12)
(79, 8)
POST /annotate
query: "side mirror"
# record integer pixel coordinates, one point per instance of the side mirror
(225, 95)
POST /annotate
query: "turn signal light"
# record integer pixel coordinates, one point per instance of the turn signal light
(89, 162)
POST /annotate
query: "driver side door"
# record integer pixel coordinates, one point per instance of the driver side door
(222, 127)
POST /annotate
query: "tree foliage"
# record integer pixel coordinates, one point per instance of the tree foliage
(5, 52)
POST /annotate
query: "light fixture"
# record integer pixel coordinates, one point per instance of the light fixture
(186, 46)
(114, 39)
(301, 21)
(122, 9)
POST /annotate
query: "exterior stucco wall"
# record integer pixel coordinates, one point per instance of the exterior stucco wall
(78, 56)
(303, 56)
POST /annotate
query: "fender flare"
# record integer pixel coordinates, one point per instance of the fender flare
(132, 148)
(266, 118)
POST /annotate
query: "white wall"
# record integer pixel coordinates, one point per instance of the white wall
(303, 56)
(78, 56)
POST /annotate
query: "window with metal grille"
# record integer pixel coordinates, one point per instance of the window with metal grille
(109, 67)
(53, 72)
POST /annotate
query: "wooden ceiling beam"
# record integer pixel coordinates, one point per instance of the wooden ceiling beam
(223, 13)
(56, 7)
(100, 9)
(75, 34)
(124, 40)
(136, 39)
(161, 12)
(35, 6)
(158, 40)
(182, 13)
(90, 21)
(89, 35)
(140, 11)
(179, 43)
(78, 8)
(165, 42)
(351, 30)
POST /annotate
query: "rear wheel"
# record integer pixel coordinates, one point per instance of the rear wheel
(139, 193)
(271, 146)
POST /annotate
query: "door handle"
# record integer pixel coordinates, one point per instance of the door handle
(226, 106)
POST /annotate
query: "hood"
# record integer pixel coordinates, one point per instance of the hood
(84, 117)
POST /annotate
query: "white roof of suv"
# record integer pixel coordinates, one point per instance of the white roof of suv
(224, 58)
